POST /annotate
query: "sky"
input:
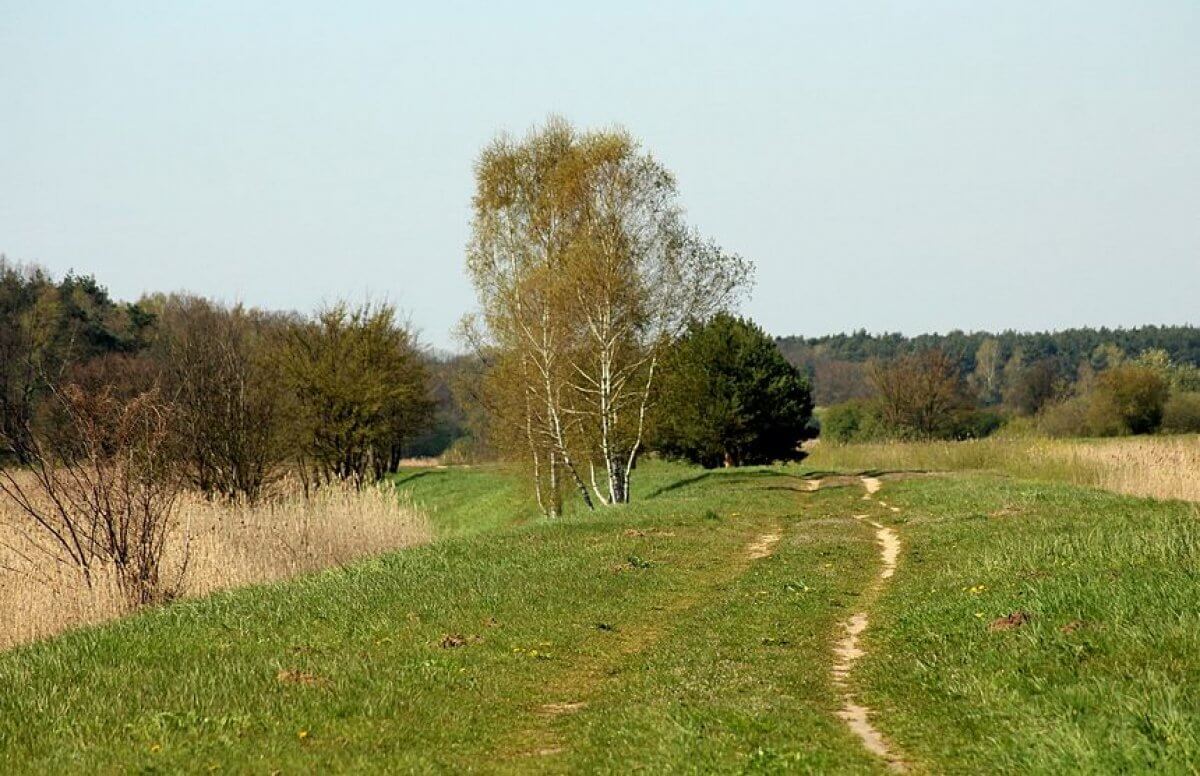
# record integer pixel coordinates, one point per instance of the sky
(894, 166)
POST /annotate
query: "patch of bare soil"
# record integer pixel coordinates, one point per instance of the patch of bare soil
(303, 678)
(763, 546)
(889, 549)
(834, 481)
(1009, 621)
(847, 650)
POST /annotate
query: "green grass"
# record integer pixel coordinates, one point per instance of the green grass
(1105, 676)
(467, 500)
(645, 638)
(689, 655)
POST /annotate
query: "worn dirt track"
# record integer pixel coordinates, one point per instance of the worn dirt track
(847, 651)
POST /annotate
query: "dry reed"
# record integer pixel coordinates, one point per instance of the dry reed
(1164, 467)
(225, 545)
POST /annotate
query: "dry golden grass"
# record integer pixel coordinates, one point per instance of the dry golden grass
(225, 545)
(1161, 467)
(1165, 467)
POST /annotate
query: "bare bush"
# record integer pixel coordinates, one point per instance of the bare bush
(101, 495)
(227, 401)
(918, 394)
(222, 544)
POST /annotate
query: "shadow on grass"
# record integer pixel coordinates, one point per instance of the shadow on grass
(730, 476)
(405, 480)
(820, 473)
(733, 476)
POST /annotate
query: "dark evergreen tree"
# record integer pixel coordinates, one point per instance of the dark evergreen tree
(729, 398)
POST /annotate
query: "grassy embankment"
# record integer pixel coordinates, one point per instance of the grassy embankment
(649, 637)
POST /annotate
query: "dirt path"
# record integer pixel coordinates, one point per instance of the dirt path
(847, 650)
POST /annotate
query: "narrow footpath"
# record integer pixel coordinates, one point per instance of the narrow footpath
(847, 650)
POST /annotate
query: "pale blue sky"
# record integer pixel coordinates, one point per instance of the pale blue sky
(905, 166)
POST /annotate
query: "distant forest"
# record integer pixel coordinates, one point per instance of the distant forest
(836, 363)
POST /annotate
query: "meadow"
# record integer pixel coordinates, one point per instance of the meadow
(1031, 626)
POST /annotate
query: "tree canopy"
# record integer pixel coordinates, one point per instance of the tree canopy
(585, 271)
(729, 398)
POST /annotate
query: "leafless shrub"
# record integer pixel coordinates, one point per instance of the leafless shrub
(228, 403)
(223, 544)
(101, 495)
(918, 394)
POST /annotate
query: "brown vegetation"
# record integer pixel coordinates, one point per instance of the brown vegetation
(138, 443)
(1165, 467)
(100, 492)
(918, 394)
(223, 544)
(228, 404)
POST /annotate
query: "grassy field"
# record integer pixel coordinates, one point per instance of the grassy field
(462, 501)
(672, 635)
(1104, 674)
(686, 651)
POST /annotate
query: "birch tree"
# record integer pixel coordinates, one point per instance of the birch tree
(585, 271)
(525, 217)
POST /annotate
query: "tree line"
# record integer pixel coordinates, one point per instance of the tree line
(109, 411)
(605, 329)
(247, 393)
(837, 364)
(925, 395)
